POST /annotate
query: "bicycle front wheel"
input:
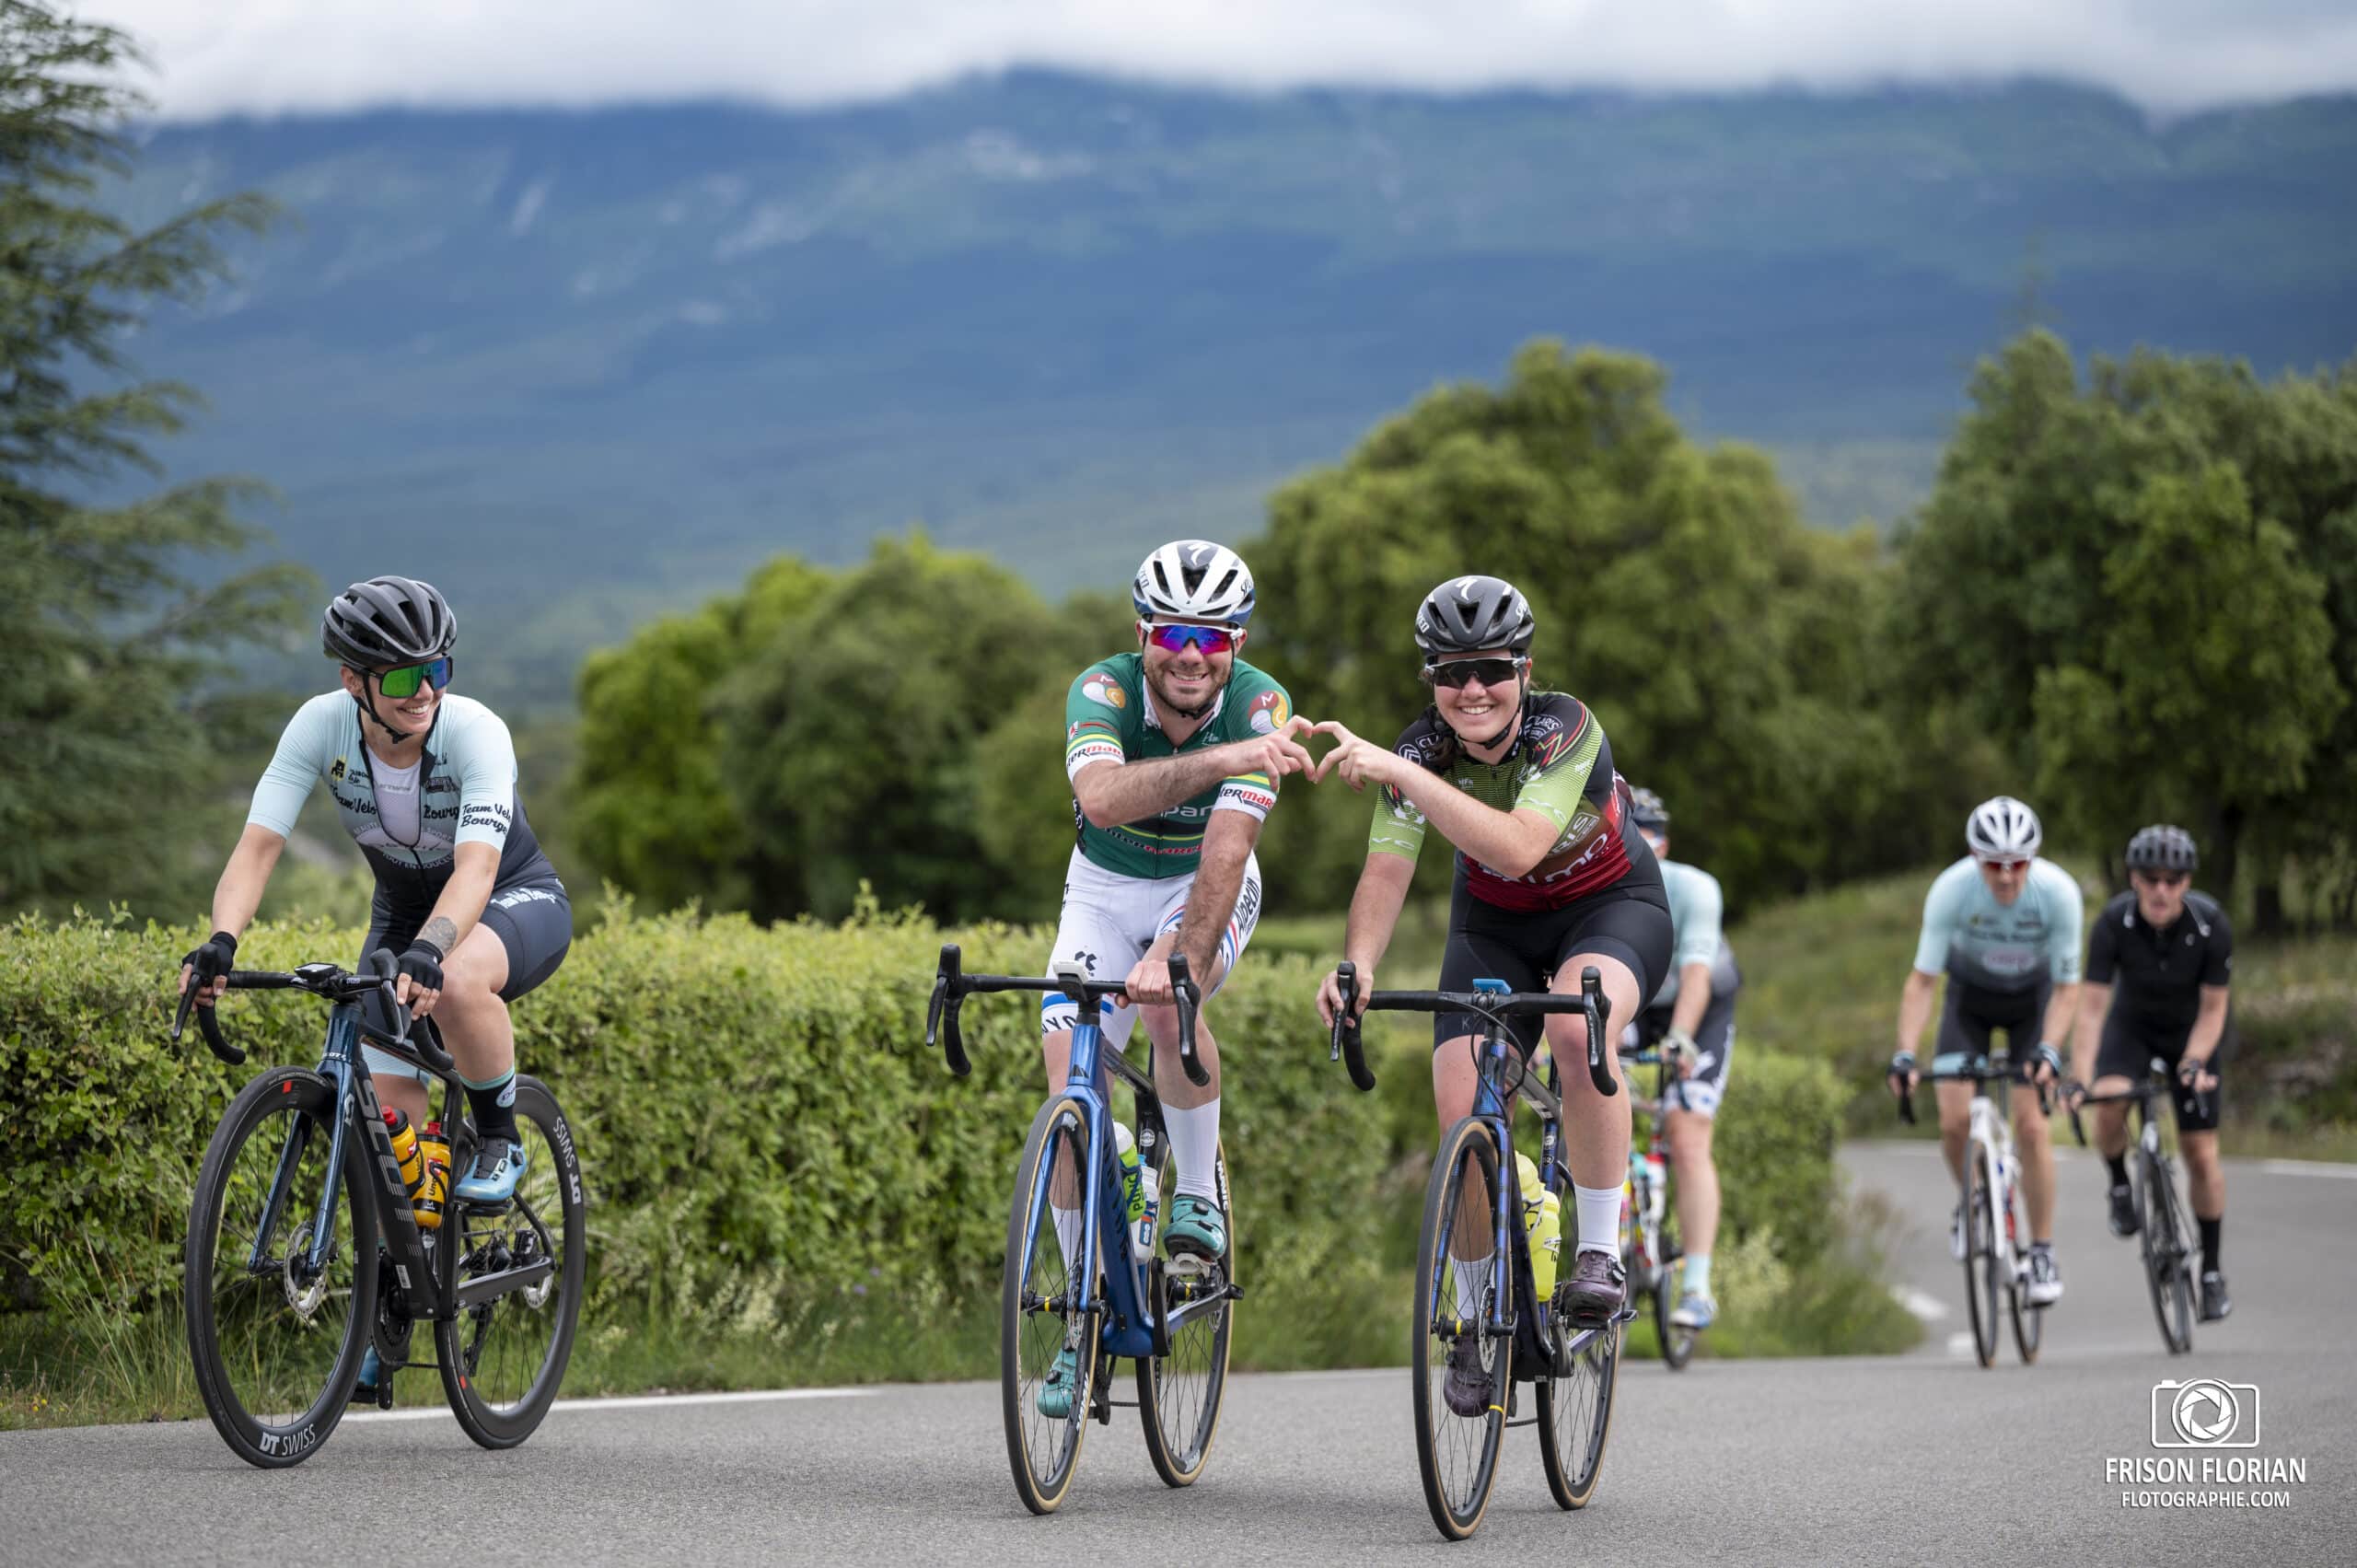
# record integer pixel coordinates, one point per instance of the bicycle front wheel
(504, 1355)
(2029, 1320)
(2162, 1237)
(1040, 1323)
(1457, 1428)
(1677, 1344)
(1179, 1394)
(276, 1342)
(1983, 1282)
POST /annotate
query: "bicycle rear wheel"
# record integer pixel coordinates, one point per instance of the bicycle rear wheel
(2161, 1236)
(276, 1348)
(1677, 1344)
(1983, 1284)
(504, 1357)
(1575, 1414)
(1458, 1454)
(1039, 1318)
(1179, 1394)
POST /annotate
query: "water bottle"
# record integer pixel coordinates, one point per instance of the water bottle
(1125, 1154)
(433, 1191)
(1150, 1186)
(405, 1151)
(1656, 1187)
(1542, 1220)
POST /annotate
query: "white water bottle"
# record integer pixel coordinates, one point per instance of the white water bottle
(1142, 1220)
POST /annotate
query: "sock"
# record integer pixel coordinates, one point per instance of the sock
(1194, 1145)
(2118, 1164)
(2046, 1247)
(493, 1104)
(1472, 1279)
(2210, 1229)
(1698, 1274)
(1600, 1219)
(1068, 1223)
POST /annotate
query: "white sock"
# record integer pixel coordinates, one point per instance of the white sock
(1600, 1219)
(1472, 1279)
(1195, 1143)
(1068, 1223)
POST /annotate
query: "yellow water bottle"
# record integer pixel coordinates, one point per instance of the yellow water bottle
(405, 1150)
(1542, 1220)
(433, 1191)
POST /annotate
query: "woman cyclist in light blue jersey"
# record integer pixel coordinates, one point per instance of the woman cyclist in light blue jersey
(424, 782)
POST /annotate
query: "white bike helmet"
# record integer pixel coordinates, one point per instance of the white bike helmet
(2002, 829)
(1193, 579)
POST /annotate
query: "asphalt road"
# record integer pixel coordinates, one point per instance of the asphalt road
(1924, 1458)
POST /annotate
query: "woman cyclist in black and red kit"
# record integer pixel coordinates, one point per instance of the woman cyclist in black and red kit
(1552, 877)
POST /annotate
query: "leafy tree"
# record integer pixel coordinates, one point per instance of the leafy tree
(651, 806)
(106, 715)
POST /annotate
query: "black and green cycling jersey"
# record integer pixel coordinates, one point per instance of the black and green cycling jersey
(1110, 717)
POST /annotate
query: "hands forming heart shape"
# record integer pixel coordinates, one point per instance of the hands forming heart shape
(1360, 762)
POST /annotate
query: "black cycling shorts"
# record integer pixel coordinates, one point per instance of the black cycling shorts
(1524, 947)
(2127, 1050)
(1713, 1049)
(1971, 1014)
(532, 919)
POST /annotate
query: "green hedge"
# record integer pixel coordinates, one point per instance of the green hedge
(759, 1120)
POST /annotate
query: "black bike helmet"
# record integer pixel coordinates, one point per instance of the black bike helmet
(391, 620)
(2163, 847)
(1467, 615)
(1648, 810)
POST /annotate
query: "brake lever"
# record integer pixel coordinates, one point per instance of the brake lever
(1189, 999)
(942, 1007)
(1347, 1022)
(1599, 1010)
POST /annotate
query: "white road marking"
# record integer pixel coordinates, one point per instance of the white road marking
(1960, 1344)
(637, 1401)
(2308, 1167)
(1924, 1305)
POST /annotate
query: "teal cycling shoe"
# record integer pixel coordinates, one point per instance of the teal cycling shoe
(1055, 1394)
(1694, 1311)
(499, 1166)
(1197, 1228)
(372, 1374)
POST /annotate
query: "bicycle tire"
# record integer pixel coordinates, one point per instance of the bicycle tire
(518, 1233)
(1458, 1502)
(2028, 1319)
(289, 1092)
(1179, 1429)
(2163, 1240)
(1677, 1344)
(1981, 1284)
(1575, 1407)
(1043, 1468)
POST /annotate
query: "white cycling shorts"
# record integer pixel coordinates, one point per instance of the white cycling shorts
(1110, 920)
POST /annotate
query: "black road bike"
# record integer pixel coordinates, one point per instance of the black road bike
(2161, 1229)
(288, 1282)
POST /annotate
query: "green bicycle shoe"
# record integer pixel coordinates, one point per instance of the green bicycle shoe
(1055, 1394)
(1197, 1229)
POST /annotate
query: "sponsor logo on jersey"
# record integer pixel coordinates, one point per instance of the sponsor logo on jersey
(335, 773)
(1268, 714)
(1105, 689)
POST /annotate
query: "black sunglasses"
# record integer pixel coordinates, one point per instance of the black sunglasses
(1456, 673)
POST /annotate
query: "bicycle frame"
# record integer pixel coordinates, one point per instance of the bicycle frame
(1645, 1212)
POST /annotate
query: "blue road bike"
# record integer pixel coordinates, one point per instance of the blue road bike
(1473, 1230)
(1124, 1296)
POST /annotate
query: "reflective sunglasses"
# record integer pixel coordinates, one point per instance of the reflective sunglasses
(2005, 865)
(404, 681)
(2164, 879)
(1176, 639)
(1456, 673)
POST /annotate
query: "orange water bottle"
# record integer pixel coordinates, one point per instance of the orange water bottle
(405, 1150)
(433, 1191)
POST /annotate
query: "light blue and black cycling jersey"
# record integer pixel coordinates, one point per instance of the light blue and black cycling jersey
(1696, 909)
(466, 786)
(1992, 946)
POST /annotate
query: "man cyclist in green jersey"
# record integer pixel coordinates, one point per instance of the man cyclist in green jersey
(2005, 926)
(1174, 752)
(1552, 877)
(425, 781)
(1691, 1016)
(2159, 968)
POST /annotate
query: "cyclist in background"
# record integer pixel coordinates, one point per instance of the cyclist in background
(1174, 752)
(1552, 877)
(1692, 1017)
(425, 781)
(2159, 965)
(2004, 924)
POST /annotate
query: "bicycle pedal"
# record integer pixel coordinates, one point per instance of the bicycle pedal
(1190, 1266)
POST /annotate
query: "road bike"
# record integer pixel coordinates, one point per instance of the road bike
(1650, 1250)
(288, 1281)
(1124, 1296)
(1996, 1251)
(2161, 1228)
(1474, 1229)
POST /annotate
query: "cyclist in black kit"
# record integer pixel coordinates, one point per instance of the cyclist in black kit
(2157, 971)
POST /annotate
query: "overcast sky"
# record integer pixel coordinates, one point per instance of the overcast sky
(218, 56)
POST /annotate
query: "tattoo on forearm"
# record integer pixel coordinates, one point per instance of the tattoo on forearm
(442, 932)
